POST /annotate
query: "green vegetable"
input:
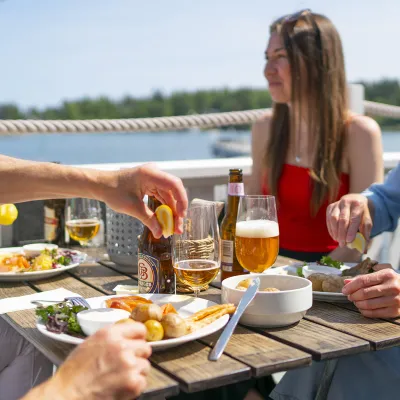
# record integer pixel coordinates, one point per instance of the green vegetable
(63, 260)
(326, 260)
(44, 313)
(65, 312)
(300, 272)
(73, 325)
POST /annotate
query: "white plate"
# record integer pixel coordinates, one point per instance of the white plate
(185, 305)
(35, 275)
(313, 268)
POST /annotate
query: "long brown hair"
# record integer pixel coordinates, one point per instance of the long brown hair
(319, 91)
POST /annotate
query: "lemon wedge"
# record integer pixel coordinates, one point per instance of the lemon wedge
(8, 214)
(166, 219)
(359, 243)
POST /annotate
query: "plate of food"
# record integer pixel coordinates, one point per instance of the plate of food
(327, 276)
(37, 261)
(170, 320)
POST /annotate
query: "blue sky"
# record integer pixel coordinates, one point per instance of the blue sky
(54, 50)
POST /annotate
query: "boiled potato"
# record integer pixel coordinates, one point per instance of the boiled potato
(155, 331)
(174, 325)
(244, 284)
(333, 284)
(317, 280)
(125, 320)
(145, 312)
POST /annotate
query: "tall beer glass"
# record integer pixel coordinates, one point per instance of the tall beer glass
(257, 233)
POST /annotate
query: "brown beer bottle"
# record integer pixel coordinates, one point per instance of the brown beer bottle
(156, 273)
(230, 265)
(54, 221)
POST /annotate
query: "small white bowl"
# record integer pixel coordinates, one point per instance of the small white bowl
(320, 269)
(33, 250)
(94, 319)
(271, 309)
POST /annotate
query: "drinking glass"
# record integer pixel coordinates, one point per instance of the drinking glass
(82, 219)
(196, 253)
(257, 233)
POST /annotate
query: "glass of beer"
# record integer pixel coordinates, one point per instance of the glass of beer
(196, 253)
(82, 219)
(257, 233)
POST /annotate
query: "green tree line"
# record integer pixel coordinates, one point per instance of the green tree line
(184, 103)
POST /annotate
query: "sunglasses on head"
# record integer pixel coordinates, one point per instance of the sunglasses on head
(293, 18)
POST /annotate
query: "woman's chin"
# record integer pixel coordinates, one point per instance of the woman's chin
(279, 98)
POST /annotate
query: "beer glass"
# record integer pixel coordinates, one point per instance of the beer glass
(82, 219)
(257, 233)
(196, 253)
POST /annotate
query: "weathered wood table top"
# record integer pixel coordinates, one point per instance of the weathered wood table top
(328, 331)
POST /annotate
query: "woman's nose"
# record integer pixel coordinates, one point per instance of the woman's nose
(269, 69)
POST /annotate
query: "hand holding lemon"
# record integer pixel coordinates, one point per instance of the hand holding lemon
(8, 214)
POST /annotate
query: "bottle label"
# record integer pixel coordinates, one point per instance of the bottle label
(50, 224)
(148, 268)
(227, 255)
(236, 189)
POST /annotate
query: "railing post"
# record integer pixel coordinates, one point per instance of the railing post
(356, 98)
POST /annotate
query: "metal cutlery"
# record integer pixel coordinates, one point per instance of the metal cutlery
(223, 340)
(75, 300)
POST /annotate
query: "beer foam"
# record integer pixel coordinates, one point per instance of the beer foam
(259, 228)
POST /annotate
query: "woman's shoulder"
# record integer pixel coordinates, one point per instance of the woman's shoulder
(362, 129)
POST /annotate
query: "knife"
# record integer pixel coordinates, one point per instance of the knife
(223, 340)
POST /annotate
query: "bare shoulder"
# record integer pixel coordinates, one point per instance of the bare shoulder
(362, 130)
(260, 129)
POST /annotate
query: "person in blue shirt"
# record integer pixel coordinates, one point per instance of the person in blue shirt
(374, 211)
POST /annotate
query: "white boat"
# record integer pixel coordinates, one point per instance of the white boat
(229, 147)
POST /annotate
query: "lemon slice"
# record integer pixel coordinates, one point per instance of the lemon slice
(8, 214)
(359, 243)
(166, 219)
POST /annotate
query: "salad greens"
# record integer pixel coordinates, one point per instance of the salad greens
(61, 318)
(329, 262)
(300, 272)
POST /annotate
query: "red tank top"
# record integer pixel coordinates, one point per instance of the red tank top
(298, 229)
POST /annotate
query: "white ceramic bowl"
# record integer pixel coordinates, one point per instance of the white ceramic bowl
(33, 250)
(94, 319)
(271, 309)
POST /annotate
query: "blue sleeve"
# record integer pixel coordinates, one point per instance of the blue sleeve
(386, 200)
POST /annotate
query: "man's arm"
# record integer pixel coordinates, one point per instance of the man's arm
(23, 180)
(122, 190)
(384, 203)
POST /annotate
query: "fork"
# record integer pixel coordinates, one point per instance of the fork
(75, 300)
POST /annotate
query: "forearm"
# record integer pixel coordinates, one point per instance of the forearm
(26, 180)
(46, 391)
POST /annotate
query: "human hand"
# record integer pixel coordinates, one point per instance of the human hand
(347, 216)
(376, 295)
(111, 364)
(126, 188)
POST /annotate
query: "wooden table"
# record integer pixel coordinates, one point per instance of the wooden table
(328, 331)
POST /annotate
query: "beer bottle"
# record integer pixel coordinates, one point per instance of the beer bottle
(156, 273)
(230, 265)
(55, 230)
(54, 221)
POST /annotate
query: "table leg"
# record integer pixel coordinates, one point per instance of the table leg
(326, 379)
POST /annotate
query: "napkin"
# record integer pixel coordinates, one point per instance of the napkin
(24, 302)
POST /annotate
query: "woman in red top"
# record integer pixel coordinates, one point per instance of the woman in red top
(311, 149)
